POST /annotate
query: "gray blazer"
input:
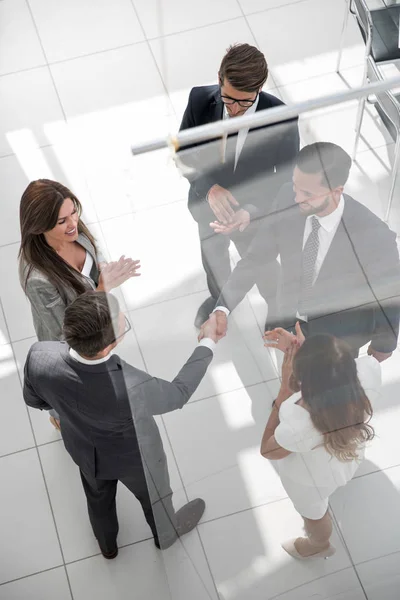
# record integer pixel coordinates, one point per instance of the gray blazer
(47, 303)
(96, 404)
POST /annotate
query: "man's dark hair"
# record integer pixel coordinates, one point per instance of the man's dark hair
(91, 322)
(328, 159)
(245, 68)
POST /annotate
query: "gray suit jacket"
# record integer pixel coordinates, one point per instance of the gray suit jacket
(48, 304)
(96, 404)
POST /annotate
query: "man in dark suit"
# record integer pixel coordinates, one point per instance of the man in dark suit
(234, 181)
(340, 262)
(106, 408)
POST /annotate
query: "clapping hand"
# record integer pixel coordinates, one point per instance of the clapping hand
(281, 338)
(215, 328)
(287, 366)
(113, 274)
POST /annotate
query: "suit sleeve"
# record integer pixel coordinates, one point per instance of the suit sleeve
(31, 397)
(383, 275)
(283, 141)
(262, 252)
(49, 307)
(162, 396)
(189, 158)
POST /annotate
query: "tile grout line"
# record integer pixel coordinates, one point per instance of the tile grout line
(48, 66)
(144, 362)
(39, 460)
(343, 540)
(37, 449)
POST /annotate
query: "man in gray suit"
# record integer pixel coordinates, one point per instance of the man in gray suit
(106, 409)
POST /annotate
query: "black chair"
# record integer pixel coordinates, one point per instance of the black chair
(379, 29)
(387, 105)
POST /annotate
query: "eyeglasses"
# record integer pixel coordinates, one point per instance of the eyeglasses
(128, 327)
(243, 103)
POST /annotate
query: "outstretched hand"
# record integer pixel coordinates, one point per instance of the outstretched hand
(281, 338)
(239, 222)
(216, 326)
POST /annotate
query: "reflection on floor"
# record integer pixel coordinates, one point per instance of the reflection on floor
(79, 82)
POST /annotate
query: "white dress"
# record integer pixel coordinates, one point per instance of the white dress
(310, 474)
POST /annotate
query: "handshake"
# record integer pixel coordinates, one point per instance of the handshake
(215, 328)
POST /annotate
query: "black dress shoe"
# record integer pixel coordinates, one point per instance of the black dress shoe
(187, 518)
(204, 311)
(110, 555)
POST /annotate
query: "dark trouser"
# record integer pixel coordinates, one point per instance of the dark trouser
(100, 496)
(215, 254)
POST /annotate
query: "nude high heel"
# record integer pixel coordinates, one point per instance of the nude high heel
(290, 548)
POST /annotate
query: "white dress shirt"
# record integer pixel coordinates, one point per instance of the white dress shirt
(242, 134)
(326, 233)
(206, 342)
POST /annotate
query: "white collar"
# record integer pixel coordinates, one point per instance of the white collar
(329, 222)
(85, 361)
(252, 109)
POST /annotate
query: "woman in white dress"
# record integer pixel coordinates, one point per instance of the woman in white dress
(317, 430)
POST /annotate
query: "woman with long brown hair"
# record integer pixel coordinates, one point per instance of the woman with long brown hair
(58, 257)
(318, 429)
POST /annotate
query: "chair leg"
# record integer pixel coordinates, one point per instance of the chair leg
(360, 111)
(395, 172)
(360, 115)
(343, 34)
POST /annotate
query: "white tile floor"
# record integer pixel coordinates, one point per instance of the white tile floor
(79, 82)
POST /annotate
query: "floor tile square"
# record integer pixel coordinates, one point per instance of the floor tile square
(342, 585)
(230, 476)
(381, 577)
(43, 586)
(164, 17)
(167, 338)
(298, 45)
(12, 407)
(147, 571)
(4, 337)
(253, 6)
(19, 44)
(29, 120)
(27, 525)
(94, 26)
(368, 512)
(247, 560)
(165, 239)
(111, 82)
(16, 306)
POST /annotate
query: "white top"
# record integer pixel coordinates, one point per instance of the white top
(310, 464)
(87, 267)
(242, 134)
